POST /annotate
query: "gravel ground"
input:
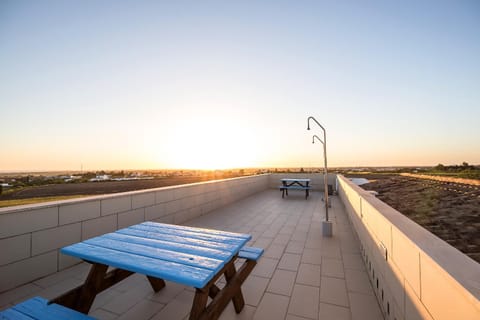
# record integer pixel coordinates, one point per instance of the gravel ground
(451, 211)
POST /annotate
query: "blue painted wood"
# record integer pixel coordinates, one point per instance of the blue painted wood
(196, 229)
(179, 247)
(180, 273)
(177, 239)
(11, 314)
(187, 255)
(195, 260)
(192, 234)
(38, 308)
(251, 253)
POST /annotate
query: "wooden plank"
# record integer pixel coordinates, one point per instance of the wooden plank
(179, 247)
(191, 234)
(295, 180)
(177, 239)
(250, 253)
(38, 308)
(12, 314)
(157, 284)
(196, 229)
(183, 274)
(194, 260)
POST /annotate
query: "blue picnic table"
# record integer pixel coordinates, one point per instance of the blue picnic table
(190, 256)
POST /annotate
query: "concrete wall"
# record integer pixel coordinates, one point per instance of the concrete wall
(316, 179)
(31, 236)
(415, 274)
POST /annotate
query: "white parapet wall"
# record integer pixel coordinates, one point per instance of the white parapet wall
(31, 236)
(415, 274)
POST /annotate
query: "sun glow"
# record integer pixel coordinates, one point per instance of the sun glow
(210, 144)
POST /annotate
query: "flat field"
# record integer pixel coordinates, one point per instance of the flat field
(70, 190)
(451, 211)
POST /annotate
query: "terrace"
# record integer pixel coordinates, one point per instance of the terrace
(377, 265)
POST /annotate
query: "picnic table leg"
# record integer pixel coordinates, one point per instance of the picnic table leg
(156, 283)
(238, 301)
(199, 304)
(221, 297)
(81, 298)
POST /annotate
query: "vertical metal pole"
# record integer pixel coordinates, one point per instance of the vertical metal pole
(325, 177)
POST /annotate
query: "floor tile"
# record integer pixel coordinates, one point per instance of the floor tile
(333, 291)
(282, 282)
(289, 261)
(330, 311)
(304, 301)
(272, 307)
(309, 274)
(332, 268)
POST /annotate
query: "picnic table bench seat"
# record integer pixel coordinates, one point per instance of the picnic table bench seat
(285, 189)
(250, 253)
(38, 308)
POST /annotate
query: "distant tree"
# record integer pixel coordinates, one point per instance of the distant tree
(301, 170)
(440, 167)
(465, 164)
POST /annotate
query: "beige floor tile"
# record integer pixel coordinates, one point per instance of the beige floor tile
(304, 301)
(330, 311)
(144, 309)
(332, 268)
(333, 291)
(101, 314)
(353, 261)
(272, 307)
(364, 307)
(124, 301)
(282, 282)
(19, 294)
(230, 314)
(294, 317)
(289, 261)
(274, 251)
(253, 289)
(168, 293)
(358, 281)
(295, 247)
(309, 274)
(265, 267)
(177, 309)
(311, 256)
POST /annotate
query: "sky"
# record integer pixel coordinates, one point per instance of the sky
(229, 84)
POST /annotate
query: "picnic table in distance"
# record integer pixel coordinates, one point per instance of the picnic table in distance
(295, 184)
(190, 256)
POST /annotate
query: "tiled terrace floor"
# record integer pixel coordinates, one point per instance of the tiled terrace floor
(301, 275)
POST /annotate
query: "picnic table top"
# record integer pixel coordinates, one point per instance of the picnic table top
(292, 180)
(186, 255)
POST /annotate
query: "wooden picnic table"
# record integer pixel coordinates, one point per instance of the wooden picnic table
(295, 184)
(190, 256)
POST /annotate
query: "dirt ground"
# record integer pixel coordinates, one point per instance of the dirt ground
(97, 188)
(451, 211)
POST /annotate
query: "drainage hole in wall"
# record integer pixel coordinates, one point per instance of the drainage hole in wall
(382, 293)
(388, 308)
(377, 283)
